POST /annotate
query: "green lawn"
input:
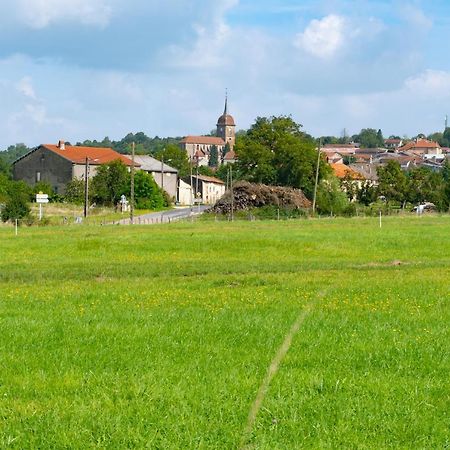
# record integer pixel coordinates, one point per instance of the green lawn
(161, 336)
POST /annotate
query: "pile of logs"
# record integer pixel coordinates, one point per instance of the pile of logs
(247, 196)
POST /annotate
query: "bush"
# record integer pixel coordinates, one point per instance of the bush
(330, 198)
(147, 193)
(16, 206)
(43, 187)
(75, 192)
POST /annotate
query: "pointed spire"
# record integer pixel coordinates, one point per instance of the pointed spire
(225, 111)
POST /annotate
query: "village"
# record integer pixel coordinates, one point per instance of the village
(356, 167)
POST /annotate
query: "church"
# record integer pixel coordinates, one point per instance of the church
(198, 148)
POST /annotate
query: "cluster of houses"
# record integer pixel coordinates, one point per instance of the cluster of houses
(58, 164)
(362, 163)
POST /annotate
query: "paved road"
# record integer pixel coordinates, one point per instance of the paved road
(167, 216)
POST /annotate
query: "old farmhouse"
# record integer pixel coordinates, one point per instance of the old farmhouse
(58, 164)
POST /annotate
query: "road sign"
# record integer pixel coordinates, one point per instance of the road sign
(41, 198)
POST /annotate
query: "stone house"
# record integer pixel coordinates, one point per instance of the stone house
(59, 164)
(422, 147)
(206, 189)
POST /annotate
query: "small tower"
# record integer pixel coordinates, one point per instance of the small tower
(226, 128)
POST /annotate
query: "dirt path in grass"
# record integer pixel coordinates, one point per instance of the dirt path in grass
(272, 371)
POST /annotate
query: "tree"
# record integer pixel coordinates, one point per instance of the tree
(44, 187)
(425, 185)
(213, 156)
(206, 170)
(75, 192)
(367, 194)
(276, 151)
(223, 172)
(350, 187)
(4, 187)
(5, 168)
(147, 193)
(330, 140)
(392, 182)
(175, 157)
(369, 138)
(445, 138)
(14, 152)
(226, 149)
(380, 139)
(17, 201)
(330, 197)
(446, 185)
(110, 182)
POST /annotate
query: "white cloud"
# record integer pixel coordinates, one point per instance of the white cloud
(209, 49)
(431, 84)
(416, 17)
(25, 87)
(41, 13)
(323, 38)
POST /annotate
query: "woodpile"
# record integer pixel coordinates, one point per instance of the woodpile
(247, 196)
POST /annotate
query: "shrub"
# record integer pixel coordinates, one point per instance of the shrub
(16, 206)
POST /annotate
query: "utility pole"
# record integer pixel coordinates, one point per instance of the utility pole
(196, 188)
(162, 173)
(446, 122)
(317, 177)
(231, 192)
(86, 187)
(191, 184)
(132, 184)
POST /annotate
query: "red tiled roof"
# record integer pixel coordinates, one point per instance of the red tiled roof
(206, 140)
(342, 171)
(96, 155)
(420, 143)
(230, 155)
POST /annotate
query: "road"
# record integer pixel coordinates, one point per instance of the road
(172, 215)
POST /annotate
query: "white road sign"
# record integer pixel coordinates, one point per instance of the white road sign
(41, 198)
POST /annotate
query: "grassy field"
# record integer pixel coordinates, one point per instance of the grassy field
(162, 336)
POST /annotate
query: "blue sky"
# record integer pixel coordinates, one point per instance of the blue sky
(78, 69)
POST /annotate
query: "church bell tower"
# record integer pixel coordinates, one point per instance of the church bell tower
(226, 128)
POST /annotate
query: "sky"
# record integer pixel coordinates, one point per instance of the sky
(86, 69)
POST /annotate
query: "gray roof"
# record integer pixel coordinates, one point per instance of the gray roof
(150, 164)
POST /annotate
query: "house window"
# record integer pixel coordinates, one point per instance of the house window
(38, 177)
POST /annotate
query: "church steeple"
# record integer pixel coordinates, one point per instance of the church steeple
(226, 126)
(225, 110)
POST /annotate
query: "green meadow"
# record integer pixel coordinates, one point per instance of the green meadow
(324, 333)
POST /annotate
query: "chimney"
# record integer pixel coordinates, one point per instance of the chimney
(62, 144)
